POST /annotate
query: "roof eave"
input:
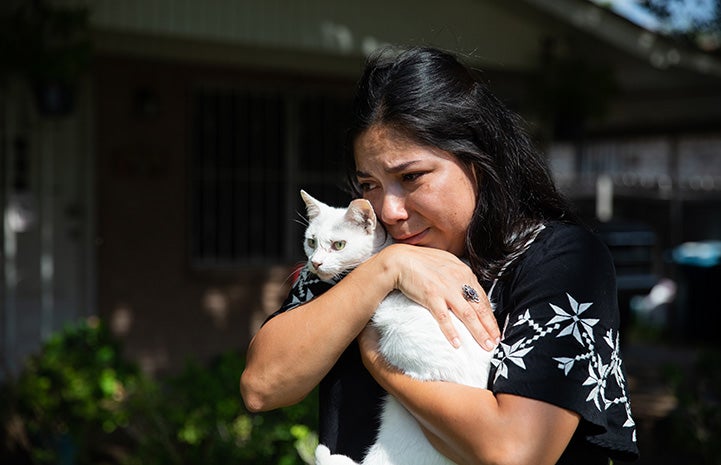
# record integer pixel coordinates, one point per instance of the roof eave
(659, 51)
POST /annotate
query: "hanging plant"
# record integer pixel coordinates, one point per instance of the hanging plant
(49, 47)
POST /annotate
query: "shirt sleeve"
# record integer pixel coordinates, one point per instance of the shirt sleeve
(560, 339)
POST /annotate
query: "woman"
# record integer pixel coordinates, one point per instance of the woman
(455, 180)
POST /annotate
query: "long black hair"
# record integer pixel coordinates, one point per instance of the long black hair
(429, 96)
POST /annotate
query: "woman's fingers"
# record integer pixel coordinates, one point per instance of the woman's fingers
(442, 314)
(368, 342)
(477, 317)
(480, 323)
(476, 313)
(442, 283)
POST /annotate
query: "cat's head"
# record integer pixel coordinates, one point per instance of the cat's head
(338, 239)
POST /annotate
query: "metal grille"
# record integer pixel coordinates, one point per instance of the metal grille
(692, 162)
(252, 152)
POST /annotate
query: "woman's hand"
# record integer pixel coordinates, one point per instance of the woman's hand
(369, 349)
(434, 279)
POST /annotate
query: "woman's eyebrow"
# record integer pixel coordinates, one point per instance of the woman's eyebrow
(391, 169)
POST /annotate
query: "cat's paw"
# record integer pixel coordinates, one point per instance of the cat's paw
(324, 457)
(322, 454)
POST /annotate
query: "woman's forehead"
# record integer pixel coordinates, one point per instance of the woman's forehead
(381, 148)
(379, 138)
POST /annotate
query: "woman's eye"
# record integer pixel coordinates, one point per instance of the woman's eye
(412, 176)
(338, 245)
(366, 186)
(311, 242)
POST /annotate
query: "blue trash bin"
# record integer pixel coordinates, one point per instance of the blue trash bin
(699, 284)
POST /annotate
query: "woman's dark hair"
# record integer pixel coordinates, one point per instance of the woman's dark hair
(430, 97)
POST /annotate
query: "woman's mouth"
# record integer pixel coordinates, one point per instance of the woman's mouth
(413, 239)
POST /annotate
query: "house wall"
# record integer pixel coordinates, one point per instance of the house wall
(163, 307)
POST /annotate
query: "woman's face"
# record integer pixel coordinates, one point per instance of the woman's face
(423, 195)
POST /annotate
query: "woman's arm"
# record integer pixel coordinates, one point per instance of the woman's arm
(292, 352)
(471, 425)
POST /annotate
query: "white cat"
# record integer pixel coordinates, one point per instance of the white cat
(339, 239)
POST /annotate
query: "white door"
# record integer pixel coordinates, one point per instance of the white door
(47, 234)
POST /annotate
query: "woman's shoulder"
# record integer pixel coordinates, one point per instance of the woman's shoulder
(563, 258)
(564, 232)
(570, 242)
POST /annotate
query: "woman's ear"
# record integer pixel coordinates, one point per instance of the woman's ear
(477, 176)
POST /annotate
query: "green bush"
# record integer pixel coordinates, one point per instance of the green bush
(68, 403)
(198, 417)
(79, 402)
(696, 422)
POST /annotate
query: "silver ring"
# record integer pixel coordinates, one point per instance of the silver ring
(470, 294)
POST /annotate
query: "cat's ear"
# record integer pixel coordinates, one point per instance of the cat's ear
(312, 205)
(361, 212)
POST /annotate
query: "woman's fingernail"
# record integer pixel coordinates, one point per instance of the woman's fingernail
(498, 340)
(490, 344)
(456, 342)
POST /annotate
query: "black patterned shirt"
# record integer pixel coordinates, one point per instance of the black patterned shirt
(557, 307)
(561, 344)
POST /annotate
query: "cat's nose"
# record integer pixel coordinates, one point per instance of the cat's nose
(316, 264)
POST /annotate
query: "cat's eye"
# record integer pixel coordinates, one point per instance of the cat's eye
(311, 242)
(338, 245)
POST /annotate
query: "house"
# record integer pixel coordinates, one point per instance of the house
(165, 199)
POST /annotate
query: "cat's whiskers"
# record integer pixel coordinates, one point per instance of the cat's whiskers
(292, 276)
(303, 220)
(355, 263)
(289, 278)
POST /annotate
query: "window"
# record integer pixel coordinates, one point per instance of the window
(252, 151)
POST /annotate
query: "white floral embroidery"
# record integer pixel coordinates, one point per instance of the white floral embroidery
(576, 322)
(605, 376)
(565, 364)
(513, 353)
(596, 379)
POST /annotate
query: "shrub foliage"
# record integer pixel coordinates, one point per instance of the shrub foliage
(78, 401)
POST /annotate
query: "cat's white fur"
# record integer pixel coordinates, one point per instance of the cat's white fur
(410, 338)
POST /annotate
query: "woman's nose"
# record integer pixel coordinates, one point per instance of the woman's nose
(393, 209)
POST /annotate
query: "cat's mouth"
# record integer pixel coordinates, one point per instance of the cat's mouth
(322, 275)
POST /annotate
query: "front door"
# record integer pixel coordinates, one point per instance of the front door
(46, 239)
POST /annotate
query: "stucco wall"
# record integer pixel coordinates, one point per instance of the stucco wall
(148, 291)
